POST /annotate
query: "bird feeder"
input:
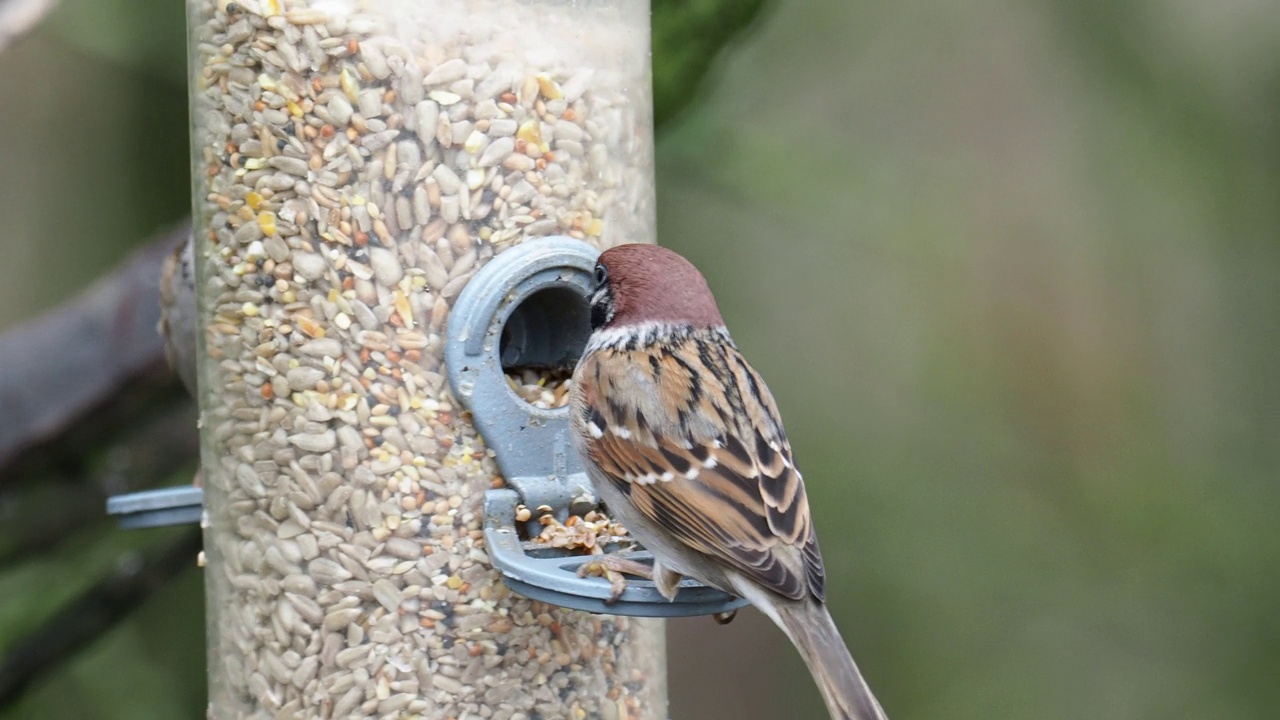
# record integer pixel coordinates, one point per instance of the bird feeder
(357, 166)
(527, 308)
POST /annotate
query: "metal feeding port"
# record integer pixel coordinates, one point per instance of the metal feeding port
(527, 309)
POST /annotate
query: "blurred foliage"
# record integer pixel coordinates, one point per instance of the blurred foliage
(1009, 268)
(149, 38)
(688, 36)
(149, 667)
(1011, 272)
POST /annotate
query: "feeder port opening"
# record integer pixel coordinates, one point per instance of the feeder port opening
(540, 343)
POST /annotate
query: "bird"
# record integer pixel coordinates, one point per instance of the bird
(178, 312)
(684, 444)
(177, 323)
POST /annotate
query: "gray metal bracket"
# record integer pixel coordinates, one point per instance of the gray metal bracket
(157, 508)
(528, 308)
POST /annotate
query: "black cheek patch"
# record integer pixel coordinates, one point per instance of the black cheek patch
(601, 307)
(599, 313)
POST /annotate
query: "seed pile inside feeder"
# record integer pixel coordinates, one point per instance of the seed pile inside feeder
(545, 389)
(356, 162)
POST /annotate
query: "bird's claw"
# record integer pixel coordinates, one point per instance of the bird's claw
(612, 568)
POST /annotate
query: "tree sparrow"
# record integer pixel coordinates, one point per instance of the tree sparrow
(178, 312)
(683, 442)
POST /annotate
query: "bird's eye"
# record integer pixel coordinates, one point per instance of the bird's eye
(602, 275)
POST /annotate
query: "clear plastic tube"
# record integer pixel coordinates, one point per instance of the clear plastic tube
(354, 163)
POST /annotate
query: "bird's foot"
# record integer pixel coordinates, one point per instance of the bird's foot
(611, 567)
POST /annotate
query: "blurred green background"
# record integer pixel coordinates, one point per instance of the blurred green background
(1011, 269)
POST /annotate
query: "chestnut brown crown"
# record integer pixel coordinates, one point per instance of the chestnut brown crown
(648, 283)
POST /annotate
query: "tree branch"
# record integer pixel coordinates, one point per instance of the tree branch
(90, 409)
(76, 373)
(134, 579)
(38, 515)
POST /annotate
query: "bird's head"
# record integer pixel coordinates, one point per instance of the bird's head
(639, 285)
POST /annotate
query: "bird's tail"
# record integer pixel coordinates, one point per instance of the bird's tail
(815, 635)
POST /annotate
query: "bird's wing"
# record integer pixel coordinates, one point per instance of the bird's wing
(707, 461)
